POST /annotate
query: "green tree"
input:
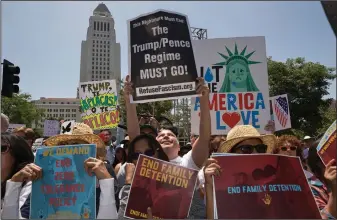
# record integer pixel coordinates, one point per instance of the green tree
(306, 83)
(20, 109)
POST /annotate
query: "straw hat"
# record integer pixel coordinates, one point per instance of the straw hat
(243, 132)
(81, 133)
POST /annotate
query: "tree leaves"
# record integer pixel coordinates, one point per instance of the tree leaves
(20, 109)
(306, 83)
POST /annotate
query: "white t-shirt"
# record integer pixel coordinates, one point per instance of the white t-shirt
(185, 161)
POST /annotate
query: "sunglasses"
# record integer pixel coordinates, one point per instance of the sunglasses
(292, 148)
(4, 149)
(135, 155)
(249, 149)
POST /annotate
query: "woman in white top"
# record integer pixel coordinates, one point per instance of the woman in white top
(15, 154)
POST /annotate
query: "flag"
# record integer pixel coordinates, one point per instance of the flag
(281, 110)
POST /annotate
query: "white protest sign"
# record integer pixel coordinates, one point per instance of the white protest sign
(11, 127)
(67, 127)
(235, 70)
(99, 102)
(280, 112)
(161, 59)
(51, 128)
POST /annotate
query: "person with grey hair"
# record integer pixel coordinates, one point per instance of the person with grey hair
(4, 123)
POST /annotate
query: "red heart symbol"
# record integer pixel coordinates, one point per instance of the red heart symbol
(231, 119)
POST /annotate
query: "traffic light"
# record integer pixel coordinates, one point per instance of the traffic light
(10, 79)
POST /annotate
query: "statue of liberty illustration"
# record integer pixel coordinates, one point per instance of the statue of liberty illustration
(238, 77)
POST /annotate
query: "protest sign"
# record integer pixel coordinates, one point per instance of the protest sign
(99, 104)
(67, 127)
(165, 187)
(161, 59)
(281, 112)
(51, 128)
(263, 186)
(11, 127)
(65, 189)
(326, 148)
(235, 70)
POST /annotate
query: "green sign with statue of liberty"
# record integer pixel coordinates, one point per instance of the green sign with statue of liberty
(235, 70)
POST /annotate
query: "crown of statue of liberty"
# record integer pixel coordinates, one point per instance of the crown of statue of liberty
(236, 56)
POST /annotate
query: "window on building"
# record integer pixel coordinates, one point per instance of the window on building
(100, 72)
(108, 26)
(96, 63)
(73, 110)
(108, 35)
(108, 51)
(103, 77)
(94, 26)
(107, 77)
(103, 67)
(100, 67)
(96, 67)
(100, 63)
(108, 60)
(68, 102)
(104, 54)
(108, 68)
(101, 46)
(96, 58)
(61, 110)
(67, 110)
(101, 50)
(49, 102)
(108, 42)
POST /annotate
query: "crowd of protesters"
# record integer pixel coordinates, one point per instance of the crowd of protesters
(115, 162)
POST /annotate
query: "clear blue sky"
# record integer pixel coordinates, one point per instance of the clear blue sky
(44, 38)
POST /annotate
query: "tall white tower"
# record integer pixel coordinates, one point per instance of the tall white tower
(100, 54)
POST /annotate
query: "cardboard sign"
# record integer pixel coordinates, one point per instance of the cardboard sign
(161, 59)
(51, 128)
(11, 127)
(65, 189)
(267, 186)
(235, 70)
(326, 148)
(165, 187)
(280, 112)
(99, 102)
(67, 127)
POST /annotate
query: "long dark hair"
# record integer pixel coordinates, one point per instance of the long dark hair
(315, 163)
(153, 144)
(116, 161)
(22, 154)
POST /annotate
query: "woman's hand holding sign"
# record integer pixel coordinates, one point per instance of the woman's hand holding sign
(93, 165)
(29, 173)
(330, 172)
(212, 168)
(330, 176)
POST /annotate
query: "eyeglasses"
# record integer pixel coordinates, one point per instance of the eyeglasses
(4, 149)
(292, 148)
(249, 149)
(135, 155)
